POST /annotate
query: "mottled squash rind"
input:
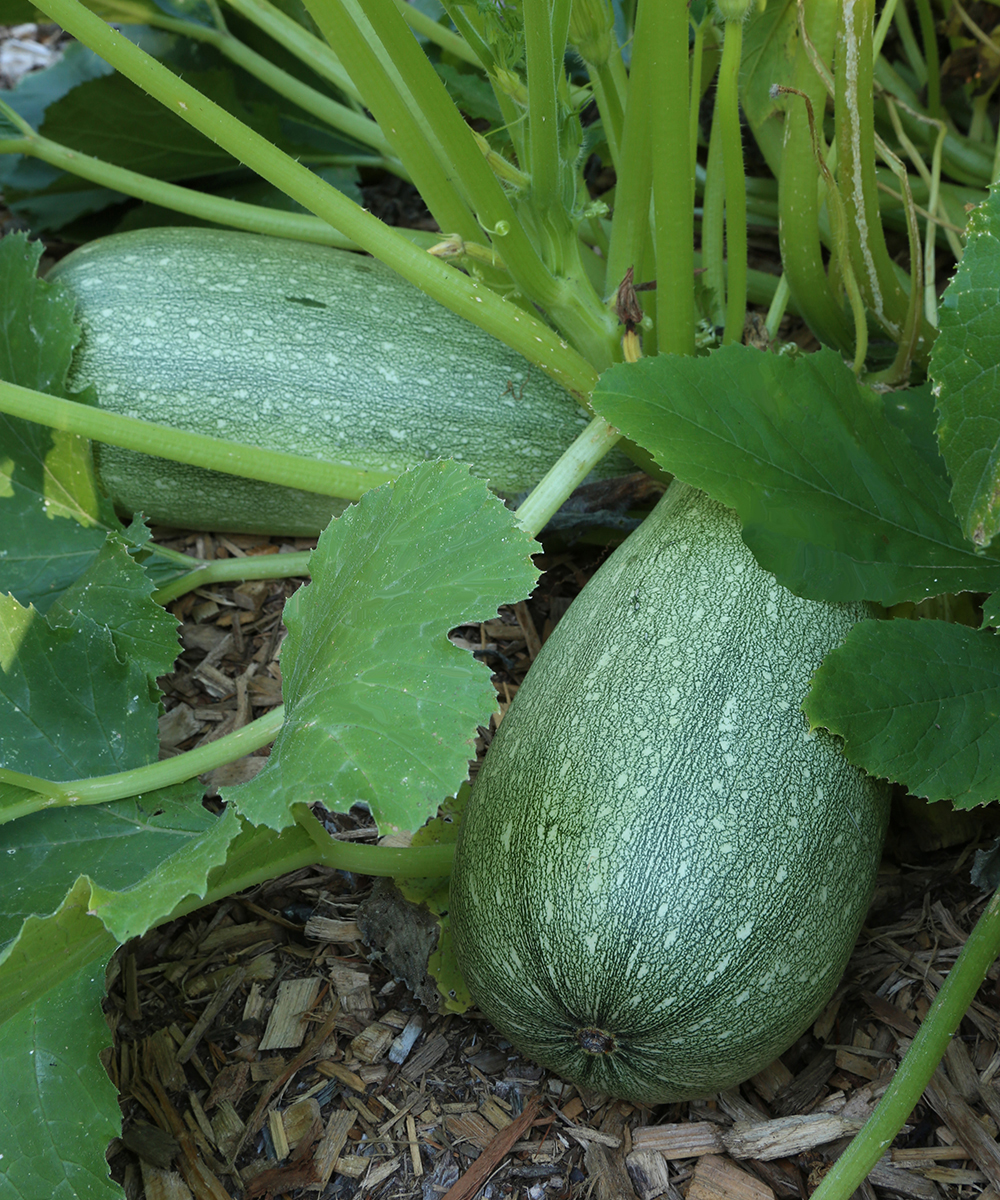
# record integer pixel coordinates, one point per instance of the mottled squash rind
(656, 847)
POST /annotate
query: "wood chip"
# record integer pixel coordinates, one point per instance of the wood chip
(288, 1023)
(336, 1070)
(470, 1127)
(690, 1139)
(717, 1178)
(649, 1174)
(429, 1055)
(902, 1182)
(330, 1145)
(373, 1042)
(326, 929)
(411, 1137)
(163, 1185)
(298, 1119)
(786, 1136)
(468, 1184)
(965, 1125)
(379, 1173)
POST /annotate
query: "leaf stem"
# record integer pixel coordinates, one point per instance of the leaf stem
(727, 109)
(662, 35)
(920, 1061)
(100, 789)
(567, 474)
(254, 218)
(234, 458)
(394, 862)
(477, 303)
(352, 124)
(223, 570)
(297, 40)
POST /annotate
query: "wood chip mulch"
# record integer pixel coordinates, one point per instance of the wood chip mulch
(261, 1051)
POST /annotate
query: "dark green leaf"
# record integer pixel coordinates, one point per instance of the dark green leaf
(380, 707)
(472, 93)
(965, 366)
(59, 1108)
(836, 500)
(69, 707)
(54, 516)
(115, 592)
(37, 90)
(917, 702)
(991, 610)
(118, 845)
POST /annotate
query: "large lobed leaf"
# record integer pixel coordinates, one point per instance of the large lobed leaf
(53, 515)
(838, 493)
(917, 702)
(380, 707)
(59, 1108)
(965, 366)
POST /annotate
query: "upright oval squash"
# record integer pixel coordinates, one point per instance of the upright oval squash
(661, 873)
(298, 348)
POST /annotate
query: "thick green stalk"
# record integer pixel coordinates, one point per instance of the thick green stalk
(713, 223)
(261, 854)
(610, 85)
(727, 110)
(101, 789)
(855, 124)
(569, 471)
(926, 1051)
(799, 184)
(254, 218)
(440, 145)
(444, 38)
(630, 244)
(395, 862)
(664, 24)
(198, 449)
(477, 303)
(224, 570)
(544, 62)
(351, 123)
(391, 96)
(928, 34)
(297, 40)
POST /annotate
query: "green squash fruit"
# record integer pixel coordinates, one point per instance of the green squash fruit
(661, 872)
(299, 348)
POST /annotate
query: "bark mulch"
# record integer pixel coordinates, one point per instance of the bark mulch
(262, 1051)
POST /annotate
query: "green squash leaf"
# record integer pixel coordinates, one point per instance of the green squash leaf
(837, 500)
(69, 707)
(917, 702)
(381, 708)
(116, 592)
(965, 367)
(54, 516)
(60, 1110)
(152, 847)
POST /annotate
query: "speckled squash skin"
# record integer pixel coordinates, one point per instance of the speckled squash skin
(299, 348)
(661, 874)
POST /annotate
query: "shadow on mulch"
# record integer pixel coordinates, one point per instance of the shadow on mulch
(261, 1051)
